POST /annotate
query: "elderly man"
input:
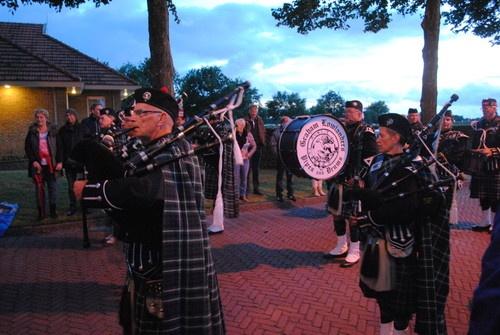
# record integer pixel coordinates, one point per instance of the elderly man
(172, 286)
(256, 127)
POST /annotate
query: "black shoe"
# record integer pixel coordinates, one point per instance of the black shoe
(347, 264)
(279, 198)
(292, 197)
(330, 256)
(257, 192)
(215, 232)
(481, 228)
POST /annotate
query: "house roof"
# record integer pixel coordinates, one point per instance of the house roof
(28, 54)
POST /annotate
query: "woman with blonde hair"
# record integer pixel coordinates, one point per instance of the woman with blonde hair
(45, 160)
(247, 145)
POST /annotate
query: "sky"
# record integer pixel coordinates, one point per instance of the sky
(242, 38)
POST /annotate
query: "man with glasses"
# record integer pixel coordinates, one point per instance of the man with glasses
(172, 286)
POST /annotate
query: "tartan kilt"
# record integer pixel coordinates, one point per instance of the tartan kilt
(485, 187)
(145, 323)
(402, 299)
(211, 177)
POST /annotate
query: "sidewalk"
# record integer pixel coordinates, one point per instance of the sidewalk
(272, 277)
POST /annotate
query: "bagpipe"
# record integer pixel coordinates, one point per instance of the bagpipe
(376, 196)
(106, 160)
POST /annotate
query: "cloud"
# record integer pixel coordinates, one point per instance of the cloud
(210, 4)
(242, 38)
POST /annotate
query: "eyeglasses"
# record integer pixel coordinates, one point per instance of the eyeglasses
(140, 112)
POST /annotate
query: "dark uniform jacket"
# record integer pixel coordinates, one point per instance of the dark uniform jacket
(421, 220)
(486, 185)
(491, 131)
(32, 145)
(362, 144)
(162, 214)
(452, 146)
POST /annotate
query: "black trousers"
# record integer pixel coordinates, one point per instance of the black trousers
(280, 172)
(400, 323)
(71, 177)
(340, 225)
(254, 168)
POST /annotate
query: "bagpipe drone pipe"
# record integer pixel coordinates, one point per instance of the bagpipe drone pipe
(132, 158)
(338, 195)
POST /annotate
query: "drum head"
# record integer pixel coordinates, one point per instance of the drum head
(320, 146)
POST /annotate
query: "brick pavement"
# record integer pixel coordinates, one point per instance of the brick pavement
(272, 277)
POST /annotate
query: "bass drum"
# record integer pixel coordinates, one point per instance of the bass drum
(314, 147)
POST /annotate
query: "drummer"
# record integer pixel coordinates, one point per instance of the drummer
(486, 184)
(362, 144)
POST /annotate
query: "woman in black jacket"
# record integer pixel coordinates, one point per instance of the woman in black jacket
(45, 160)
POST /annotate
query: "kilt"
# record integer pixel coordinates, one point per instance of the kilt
(401, 301)
(486, 187)
(146, 323)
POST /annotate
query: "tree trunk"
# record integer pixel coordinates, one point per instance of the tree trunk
(430, 26)
(162, 67)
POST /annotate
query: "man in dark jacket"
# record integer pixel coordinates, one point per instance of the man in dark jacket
(256, 127)
(362, 145)
(69, 135)
(171, 284)
(90, 125)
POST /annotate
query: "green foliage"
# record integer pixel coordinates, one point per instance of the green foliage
(57, 4)
(329, 103)
(139, 73)
(283, 103)
(373, 111)
(481, 17)
(205, 85)
(13, 5)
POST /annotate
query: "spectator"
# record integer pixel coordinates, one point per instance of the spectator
(317, 187)
(69, 135)
(256, 126)
(280, 168)
(90, 125)
(45, 160)
(247, 146)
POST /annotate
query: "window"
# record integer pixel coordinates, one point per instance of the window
(95, 100)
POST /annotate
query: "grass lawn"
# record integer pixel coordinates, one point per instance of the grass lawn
(16, 187)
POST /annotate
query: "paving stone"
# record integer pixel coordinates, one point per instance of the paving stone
(272, 277)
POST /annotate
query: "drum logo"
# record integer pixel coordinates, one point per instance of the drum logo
(322, 147)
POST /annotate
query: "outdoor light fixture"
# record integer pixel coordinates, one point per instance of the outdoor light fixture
(73, 90)
(125, 93)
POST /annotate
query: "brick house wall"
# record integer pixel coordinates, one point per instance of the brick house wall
(18, 104)
(16, 115)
